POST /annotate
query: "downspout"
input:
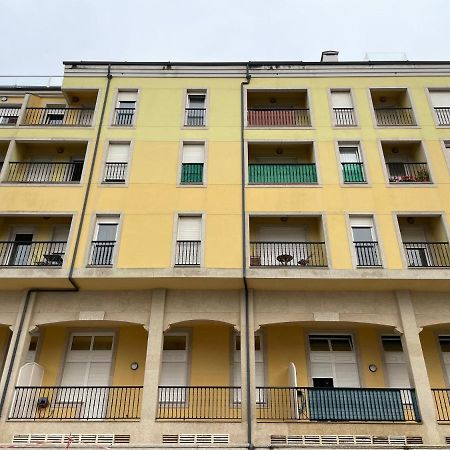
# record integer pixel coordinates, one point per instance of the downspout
(244, 262)
(75, 287)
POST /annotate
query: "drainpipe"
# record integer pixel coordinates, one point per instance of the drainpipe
(75, 287)
(244, 262)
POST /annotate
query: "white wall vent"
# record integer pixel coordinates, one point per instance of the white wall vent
(193, 439)
(103, 439)
(316, 439)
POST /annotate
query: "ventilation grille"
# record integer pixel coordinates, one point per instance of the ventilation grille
(105, 439)
(315, 439)
(195, 438)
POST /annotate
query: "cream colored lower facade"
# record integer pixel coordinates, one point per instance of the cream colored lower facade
(283, 323)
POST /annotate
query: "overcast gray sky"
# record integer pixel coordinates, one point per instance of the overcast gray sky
(37, 35)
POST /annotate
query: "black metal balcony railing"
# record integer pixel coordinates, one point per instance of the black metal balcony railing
(102, 253)
(443, 115)
(391, 117)
(32, 253)
(353, 172)
(195, 117)
(282, 173)
(67, 117)
(115, 172)
(402, 172)
(187, 253)
(288, 254)
(367, 254)
(344, 117)
(272, 117)
(9, 115)
(427, 254)
(45, 172)
(124, 117)
(199, 402)
(192, 173)
(442, 404)
(82, 403)
(337, 404)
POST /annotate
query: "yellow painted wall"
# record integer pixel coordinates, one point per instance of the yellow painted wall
(370, 352)
(433, 358)
(210, 355)
(283, 345)
(51, 354)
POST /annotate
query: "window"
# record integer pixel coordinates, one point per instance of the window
(192, 163)
(343, 112)
(352, 166)
(125, 108)
(102, 249)
(195, 109)
(32, 348)
(54, 114)
(333, 361)
(116, 163)
(188, 241)
(440, 99)
(365, 242)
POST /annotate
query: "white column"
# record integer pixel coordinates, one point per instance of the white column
(251, 370)
(418, 370)
(16, 356)
(153, 356)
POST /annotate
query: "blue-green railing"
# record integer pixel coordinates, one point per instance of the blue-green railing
(353, 172)
(282, 173)
(192, 173)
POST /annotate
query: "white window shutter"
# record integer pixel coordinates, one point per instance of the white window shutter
(118, 153)
(193, 153)
(440, 99)
(361, 222)
(341, 99)
(189, 228)
(126, 97)
(349, 154)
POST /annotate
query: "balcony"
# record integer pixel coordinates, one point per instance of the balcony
(281, 163)
(124, 117)
(344, 117)
(353, 172)
(115, 172)
(392, 108)
(46, 162)
(199, 403)
(405, 162)
(76, 403)
(287, 404)
(30, 241)
(442, 403)
(187, 253)
(44, 172)
(442, 116)
(425, 242)
(277, 109)
(192, 173)
(9, 115)
(64, 117)
(296, 242)
(102, 253)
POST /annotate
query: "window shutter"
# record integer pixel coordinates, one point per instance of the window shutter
(189, 228)
(118, 153)
(440, 99)
(341, 99)
(126, 97)
(349, 154)
(193, 153)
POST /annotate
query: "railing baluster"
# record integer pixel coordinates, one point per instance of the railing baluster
(62, 116)
(394, 116)
(427, 254)
(278, 117)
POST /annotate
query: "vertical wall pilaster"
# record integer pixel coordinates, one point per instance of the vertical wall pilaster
(153, 356)
(418, 370)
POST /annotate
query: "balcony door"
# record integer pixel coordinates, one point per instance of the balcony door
(87, 365)
(104, 242)
(416, 248)
(174, 368)
(395, 363)
(281, 245)
(444, 342)
(20, 250)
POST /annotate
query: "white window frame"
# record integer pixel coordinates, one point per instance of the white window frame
(196, 91)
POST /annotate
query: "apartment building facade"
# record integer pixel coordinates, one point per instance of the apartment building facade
(226, 254)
